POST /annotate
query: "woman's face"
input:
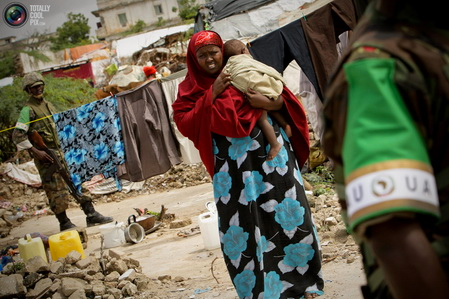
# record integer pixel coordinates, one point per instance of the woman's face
(210, 58)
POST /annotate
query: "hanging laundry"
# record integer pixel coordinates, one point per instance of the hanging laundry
(322, 29)
(279, 47)
(189, 153)
(150, 143)
(91, 139)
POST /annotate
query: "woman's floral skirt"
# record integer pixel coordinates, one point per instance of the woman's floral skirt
(267, 234)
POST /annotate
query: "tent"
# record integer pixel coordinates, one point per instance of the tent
(296, 37)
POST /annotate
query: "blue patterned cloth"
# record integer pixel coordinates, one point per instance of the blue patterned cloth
(91, 139)
(268, 238)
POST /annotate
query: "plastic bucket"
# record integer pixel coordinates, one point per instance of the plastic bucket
(113, 234)
(209, 230)
(61, 244)
(134, 233)
(31, 247)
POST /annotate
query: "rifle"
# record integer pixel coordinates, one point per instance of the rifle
(56, 166)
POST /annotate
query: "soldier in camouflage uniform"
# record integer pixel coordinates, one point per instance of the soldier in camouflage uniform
(387, 131)
(34, 117)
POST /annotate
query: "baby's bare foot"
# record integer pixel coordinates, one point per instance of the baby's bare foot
(274, 150)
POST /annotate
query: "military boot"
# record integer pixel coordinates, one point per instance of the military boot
(92, 216)
(64, 221)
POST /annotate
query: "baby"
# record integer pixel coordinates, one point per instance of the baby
(248, 73)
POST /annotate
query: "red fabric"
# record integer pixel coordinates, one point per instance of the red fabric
(205, 38)
(230, 115)
(149, 70)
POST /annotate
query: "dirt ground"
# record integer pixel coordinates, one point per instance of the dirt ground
(190, 270)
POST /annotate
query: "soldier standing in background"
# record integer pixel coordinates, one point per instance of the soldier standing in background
(35, 118)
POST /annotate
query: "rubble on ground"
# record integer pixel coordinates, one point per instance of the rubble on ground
(336, 244)
(112, 275)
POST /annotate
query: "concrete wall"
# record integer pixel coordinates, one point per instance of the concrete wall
(135, 10)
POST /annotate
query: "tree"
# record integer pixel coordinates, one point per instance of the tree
(138, 27)
(188, 9)
(72, 33)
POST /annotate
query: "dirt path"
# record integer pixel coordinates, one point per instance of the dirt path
(194, 272)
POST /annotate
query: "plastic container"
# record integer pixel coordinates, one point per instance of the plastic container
(113, 234)
(63, 243)
(30, 247)
(209, 230)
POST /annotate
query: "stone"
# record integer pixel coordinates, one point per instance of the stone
(42, 286)
(115, 292)
(84, 263)
(12, 286)
(98, 288)
(113, 276)
(141, 283)
(121, 284)
(30, 280)
(37, 264)
(72, 257)
(55, 286)
(58, 295)
(98, 276)
(134, 262)
(180, 223)
(94, 266)
(78, 294)
(164, 277)
(56, 267)
(117, 265)
(115, 253)
(178, 279)
(341, 235)
(128, 275)
(331, 221)
(70, 285)
(129, 289)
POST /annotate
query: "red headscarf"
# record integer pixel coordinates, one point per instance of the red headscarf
(197, 116)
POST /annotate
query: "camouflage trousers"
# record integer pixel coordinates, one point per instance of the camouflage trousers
(55, 187)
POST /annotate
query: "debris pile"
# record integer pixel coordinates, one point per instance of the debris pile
(112, 275)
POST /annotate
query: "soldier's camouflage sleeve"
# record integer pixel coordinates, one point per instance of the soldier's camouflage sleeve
(387, 169)
(20, 133)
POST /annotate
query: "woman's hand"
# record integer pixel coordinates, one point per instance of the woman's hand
(220, 84)
(257, 100)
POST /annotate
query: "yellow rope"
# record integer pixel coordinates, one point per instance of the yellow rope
(4, 130)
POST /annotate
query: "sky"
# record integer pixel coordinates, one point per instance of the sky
(42, 16)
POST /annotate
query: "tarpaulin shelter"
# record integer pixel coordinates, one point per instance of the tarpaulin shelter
(221, 9)
(285, 32)
(78, 70)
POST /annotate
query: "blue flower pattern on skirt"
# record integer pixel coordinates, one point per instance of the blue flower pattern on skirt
(289, 214)
(262, 245)
(244, 283)
(273, 285)
(254, 186)
(222, 182)
(91, 139)
(297, 255)
(265, 220)
(234, 242)
(239, 147)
